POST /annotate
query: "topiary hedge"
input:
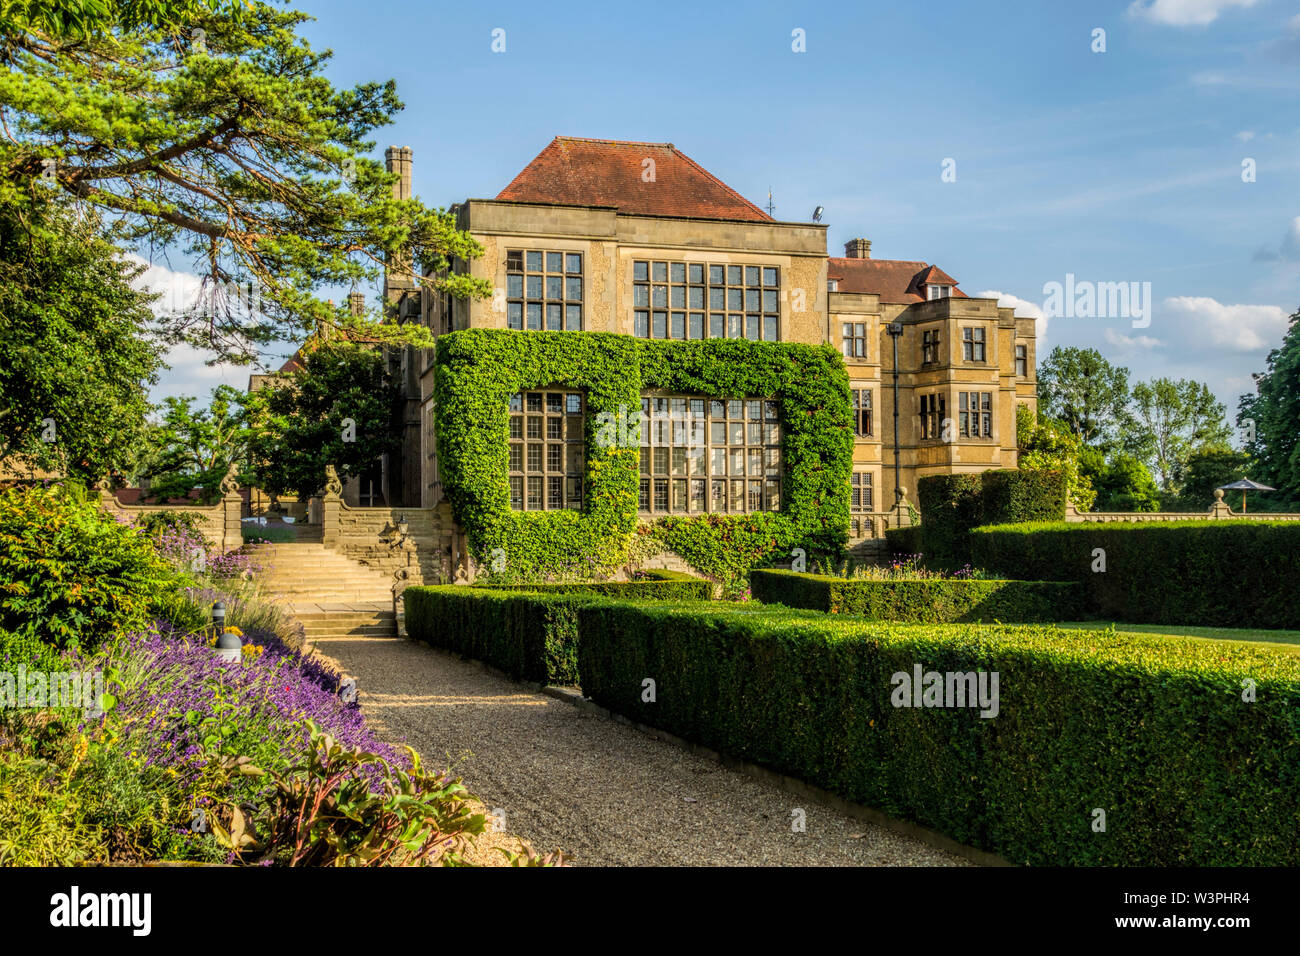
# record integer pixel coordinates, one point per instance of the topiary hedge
(530, 636)
(478, 370)
(1225, 573)
(951, 505)
(653, 586)
(1152, 732)
(904, 540)
(1009, 495)
(931, 600)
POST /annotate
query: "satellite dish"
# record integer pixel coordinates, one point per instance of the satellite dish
(817, 213)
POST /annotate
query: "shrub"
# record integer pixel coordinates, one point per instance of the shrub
(42, 816)
(1009, 495)
(1152, 730)
(930, 600)
(950, 506)
(653, 586)
(530, 636)
(71, 576)
(904, 540)
(1225, 573)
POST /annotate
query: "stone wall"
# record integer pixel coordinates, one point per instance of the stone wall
(1218, 510)
(218, 523)
(413, 545)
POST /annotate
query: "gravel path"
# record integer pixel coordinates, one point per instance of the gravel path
(605, 793)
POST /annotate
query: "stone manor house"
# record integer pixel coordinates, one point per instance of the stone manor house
(638, 239)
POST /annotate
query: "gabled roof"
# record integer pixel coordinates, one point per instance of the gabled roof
(894, 280)
(604, 172)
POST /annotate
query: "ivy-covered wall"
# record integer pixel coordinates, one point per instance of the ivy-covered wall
(478, 370)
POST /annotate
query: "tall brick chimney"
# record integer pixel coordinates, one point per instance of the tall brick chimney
(399, 277)
(356, 303)
(397, 159)
(857, 249)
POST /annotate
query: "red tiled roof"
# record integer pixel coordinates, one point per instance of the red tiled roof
(604, 172)
(894, 280)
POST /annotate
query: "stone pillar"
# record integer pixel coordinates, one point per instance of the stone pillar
(232, 506)
(1220, 508)
(331, 505)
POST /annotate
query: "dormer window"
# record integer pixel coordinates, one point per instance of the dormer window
(833, 284)
(938, 291)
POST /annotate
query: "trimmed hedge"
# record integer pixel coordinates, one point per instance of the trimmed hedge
(923, 600)
(1010, 495)
(952, 505)
(530, 636)
(1151, 730)
(658, 585)
(1224, 573)
(904, 540)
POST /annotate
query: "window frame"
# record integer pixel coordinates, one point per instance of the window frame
(517, 265)
(669, 295)
(672, 480)
(571, 473)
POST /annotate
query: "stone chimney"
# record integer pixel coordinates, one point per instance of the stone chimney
(356, 304)
(857, 249)
(399, 277)
(397, 159)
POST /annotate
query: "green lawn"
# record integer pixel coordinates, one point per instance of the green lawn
(1288, 641)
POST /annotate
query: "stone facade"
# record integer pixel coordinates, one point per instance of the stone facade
(615, 219)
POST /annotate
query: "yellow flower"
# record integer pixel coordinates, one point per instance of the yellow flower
(234, 630)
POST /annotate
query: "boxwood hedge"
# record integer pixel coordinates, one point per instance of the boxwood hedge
(931, 600)
(951, 505)
(530, 636)
(652, 585)
(1224, 573)
(1152, 731)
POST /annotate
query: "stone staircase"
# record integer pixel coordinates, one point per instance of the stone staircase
(331, 595)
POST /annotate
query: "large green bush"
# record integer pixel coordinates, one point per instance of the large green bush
(1225, 573)
(478, 370)
(1152, 731)
(950, 507)
(71, 576)
(529, 635)
(1009, 495)
(930, 600)
(905, 540)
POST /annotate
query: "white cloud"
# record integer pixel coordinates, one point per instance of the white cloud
(1246, 135)
(1206, 323)
(1129, 342)
(1023, 307)
(188, 373)
(1184, 13)
(180, 290)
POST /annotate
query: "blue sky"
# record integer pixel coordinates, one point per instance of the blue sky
(1123, 165)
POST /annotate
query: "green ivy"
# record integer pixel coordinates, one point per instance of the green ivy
(478, 370)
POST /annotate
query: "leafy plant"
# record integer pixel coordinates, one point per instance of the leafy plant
(478, 370)
(71, 577)
(324, 811)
